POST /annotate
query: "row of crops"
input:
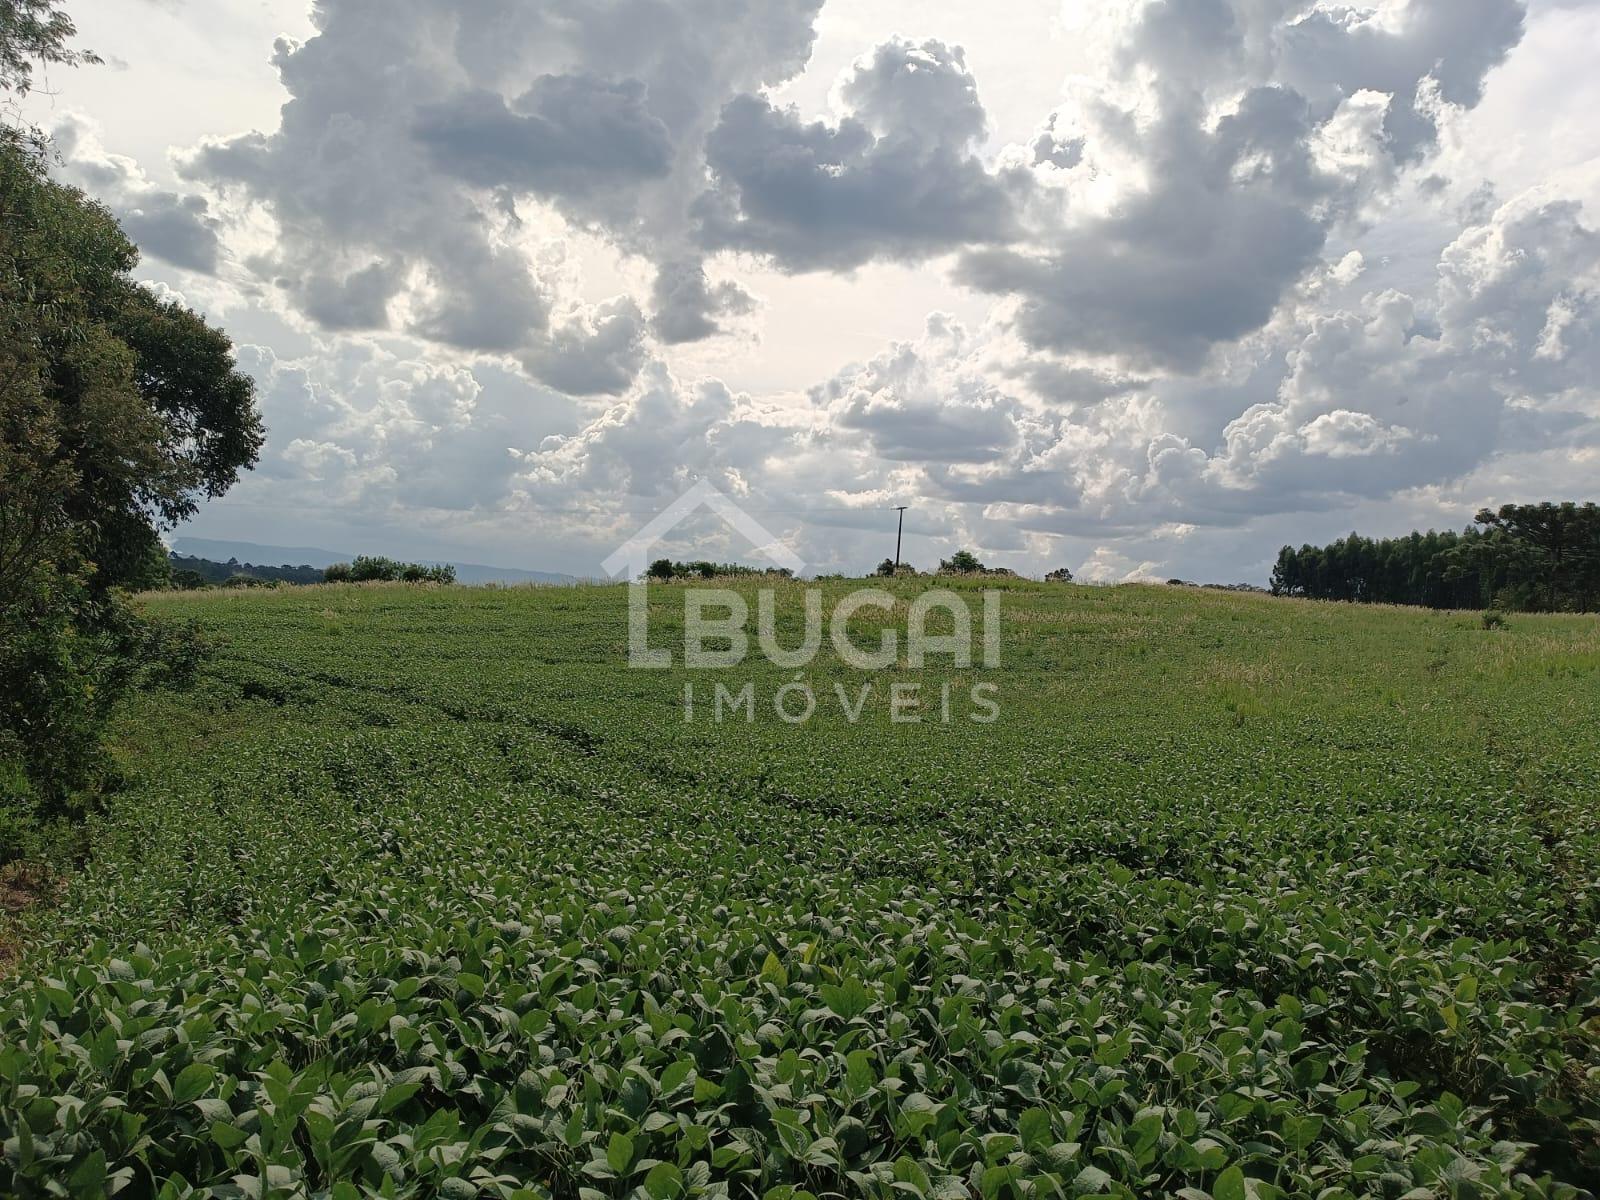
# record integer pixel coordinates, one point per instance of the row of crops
(421, 893)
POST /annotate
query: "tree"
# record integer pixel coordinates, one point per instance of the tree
(146, 412)
(1518, 557)
(119, 412)
(962, 562)
(1059, 575)
(34, 32)
(376, 568)
(185, 579)
(1565, 539)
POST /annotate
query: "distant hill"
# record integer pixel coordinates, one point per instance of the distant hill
(222, 572)
(254, 552)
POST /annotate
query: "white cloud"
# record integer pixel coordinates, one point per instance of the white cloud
(1108, 565)
(176, 228)
(421, 138)
(895, 177)
(1222, 144)
(1255, 267)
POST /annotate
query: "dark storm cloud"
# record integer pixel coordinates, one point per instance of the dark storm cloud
(174, 228)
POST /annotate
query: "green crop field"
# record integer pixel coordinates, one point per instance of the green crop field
(422, 892)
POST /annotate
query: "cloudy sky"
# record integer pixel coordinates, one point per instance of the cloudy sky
(1139, 287)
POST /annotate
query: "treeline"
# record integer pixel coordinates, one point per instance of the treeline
(374, 568)
(120, 411)
(965, 562)
(1518, 558)
(665, 569)
(188, 572)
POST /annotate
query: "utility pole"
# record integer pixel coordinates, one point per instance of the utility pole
(902, 528)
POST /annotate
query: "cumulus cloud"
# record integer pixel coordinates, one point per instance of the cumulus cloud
(422, 141)
(568, 135)
(1404, 391)
(896, 177)
(1211, 159)
(1254, 260)
(652, 444)
(1109, 565)
(921, 402)
(920, 92)
(373, 431)
(688, 307)
(177, 228)
(597, 350)
(1424, 54)
(1361, 396)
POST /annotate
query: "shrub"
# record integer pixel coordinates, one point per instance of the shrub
(1494, 619)
(58, 682)
(376, 568)
(665, 569)
(962, 562)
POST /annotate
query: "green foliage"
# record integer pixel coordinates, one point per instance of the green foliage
(34, 33)
(1494, 619)
(189, 571)
(150, 573)
(962, 562)
(421, 892)
(665, 569)
(378, 569)
(118, 411)
(1524, 558)
(1561, 544)
(65, 660)
(127, 404)
(188, 579)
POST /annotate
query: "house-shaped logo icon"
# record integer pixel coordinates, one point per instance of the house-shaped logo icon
(633, 556)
